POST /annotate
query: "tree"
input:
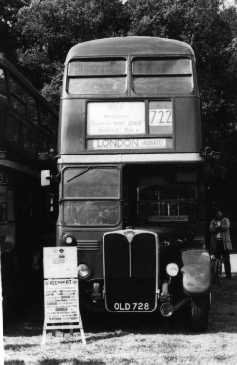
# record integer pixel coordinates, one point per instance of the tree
(201, 24)
(8, 16)
(48, 29)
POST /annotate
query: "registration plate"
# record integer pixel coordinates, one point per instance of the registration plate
(132, 307)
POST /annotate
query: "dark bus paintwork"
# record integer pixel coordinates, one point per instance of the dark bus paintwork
(186, 105)
(161, 163)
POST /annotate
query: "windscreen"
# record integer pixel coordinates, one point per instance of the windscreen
(91, 213)
(91, 183)
(91, 196)
(157, 76)
(100, 76)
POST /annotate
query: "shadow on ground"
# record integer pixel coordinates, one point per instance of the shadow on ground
(56, 362)
(71, 361)
(223, 318)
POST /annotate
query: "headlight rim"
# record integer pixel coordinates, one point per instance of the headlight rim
(88, 273)
(172, 266)
(69, 235)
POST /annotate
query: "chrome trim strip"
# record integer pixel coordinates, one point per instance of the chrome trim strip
(133, 157)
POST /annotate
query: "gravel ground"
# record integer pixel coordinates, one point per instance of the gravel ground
(135, 340)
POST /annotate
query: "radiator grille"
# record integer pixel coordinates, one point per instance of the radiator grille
(130, 271)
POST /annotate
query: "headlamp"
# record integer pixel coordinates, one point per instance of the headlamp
(83, 271)
(172, 269)
(69, 239)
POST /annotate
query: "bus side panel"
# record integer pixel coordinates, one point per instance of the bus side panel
(72, 136)
(188, 123)
(187, 120)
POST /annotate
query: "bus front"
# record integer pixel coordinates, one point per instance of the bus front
(130, 136)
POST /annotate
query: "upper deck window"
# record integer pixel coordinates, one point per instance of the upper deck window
(161, 76)
(101, 76)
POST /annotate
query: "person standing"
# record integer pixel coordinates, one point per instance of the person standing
(220, 242)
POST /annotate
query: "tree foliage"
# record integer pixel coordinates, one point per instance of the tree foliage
(46, 29)
(204, 25)
(8, 18)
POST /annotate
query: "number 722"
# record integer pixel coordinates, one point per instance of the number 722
(160, 117)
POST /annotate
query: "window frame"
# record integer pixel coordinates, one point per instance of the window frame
(64, 199)
(162, 75)
(194, 201)
(96, 58)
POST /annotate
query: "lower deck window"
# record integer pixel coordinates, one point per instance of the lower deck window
(153, 194)
(169, 203)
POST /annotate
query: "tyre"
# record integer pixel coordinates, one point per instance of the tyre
(199, 312)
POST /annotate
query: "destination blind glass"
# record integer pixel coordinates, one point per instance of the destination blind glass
(160, 117)
(115, 118)
(130, 125)
(130, 144)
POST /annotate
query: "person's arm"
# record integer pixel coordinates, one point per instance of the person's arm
(212, 227)
(225, 224)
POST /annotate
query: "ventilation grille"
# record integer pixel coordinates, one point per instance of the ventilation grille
(85, 245)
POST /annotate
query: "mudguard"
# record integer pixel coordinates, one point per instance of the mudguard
(196, 271)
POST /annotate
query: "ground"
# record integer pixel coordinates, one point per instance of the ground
(134, 340)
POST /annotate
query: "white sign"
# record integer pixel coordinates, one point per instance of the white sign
(124, 144)
(60, 262)
(116, 118)
(61, 301)
(160, 117)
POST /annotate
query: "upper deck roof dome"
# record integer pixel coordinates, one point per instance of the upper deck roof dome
(132, 45)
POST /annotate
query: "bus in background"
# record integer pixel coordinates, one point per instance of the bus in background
(28, 127)
(131, 188)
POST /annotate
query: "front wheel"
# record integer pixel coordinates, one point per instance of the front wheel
(199, 312)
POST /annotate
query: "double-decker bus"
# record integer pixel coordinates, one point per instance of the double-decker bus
(131, 190)
(28, 127)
